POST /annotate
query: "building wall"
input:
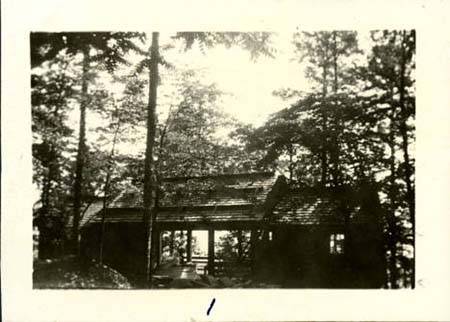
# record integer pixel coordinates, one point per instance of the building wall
(367, 255)
(300, 257)
(293, 257)
(122, 249)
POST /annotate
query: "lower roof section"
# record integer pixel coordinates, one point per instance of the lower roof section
(280, 206)
(209, 215)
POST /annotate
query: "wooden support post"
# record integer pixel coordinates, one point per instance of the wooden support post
(239, 245)
(211, 251)
(253, 241)
(158, 246)
(172, 242)
(265, 236)
(181, 249)
(189, 246)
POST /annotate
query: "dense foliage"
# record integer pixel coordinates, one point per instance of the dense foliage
(356, 125)
(353, 125)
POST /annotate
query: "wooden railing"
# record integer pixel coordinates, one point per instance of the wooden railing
(201, 263)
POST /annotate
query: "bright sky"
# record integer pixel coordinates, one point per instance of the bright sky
(251, 83)
(248, 84)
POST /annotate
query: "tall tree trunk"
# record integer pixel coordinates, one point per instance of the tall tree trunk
(52, 170)
(391, 220)
(44, 244)
(109, 170)
(158, 183)
(323, 152)
(158, 177)
(291, 166)
(392, 230)
(404, 134)
(335, 146)
(335, 64)
(77, 202)
(148, 216)
(45, 196)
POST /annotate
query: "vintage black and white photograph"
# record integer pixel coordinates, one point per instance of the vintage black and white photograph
(244, 160)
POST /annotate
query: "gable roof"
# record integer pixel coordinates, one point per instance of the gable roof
(307, 207)
(90, 212)
(245, 189)
(221, 198)
(249, 197)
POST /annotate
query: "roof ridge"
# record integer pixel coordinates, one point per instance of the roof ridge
(223, 175)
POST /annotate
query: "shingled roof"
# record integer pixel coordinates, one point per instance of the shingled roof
(221, 190)
(221, 198)
(307, 207)
(88, 215)
(248, 197)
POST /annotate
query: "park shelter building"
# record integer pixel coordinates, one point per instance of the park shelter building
(300, 237)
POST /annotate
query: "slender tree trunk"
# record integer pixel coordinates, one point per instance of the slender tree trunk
(404, 134)
(52, 165)
(158, 165)
(53, 169)
(49, 205)
(148, 216)
(335, 64)
(77, 202)
(392, 230)
(44, 245)
(45, 196)
(335, 148)
(291, 166)
(391, 220)
(106, 190)
(323, 153)
(158, 190)
(348, 237)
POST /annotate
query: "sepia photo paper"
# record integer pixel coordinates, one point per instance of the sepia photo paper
(225, 161)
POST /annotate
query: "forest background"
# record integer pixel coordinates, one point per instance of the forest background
(332, 108)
